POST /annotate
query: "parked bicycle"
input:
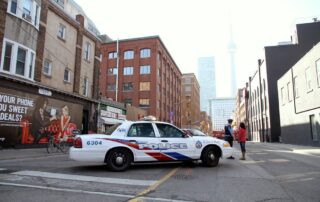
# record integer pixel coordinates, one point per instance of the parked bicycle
(54, 145)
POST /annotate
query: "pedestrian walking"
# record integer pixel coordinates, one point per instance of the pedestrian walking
(228, 134)
(242, 139)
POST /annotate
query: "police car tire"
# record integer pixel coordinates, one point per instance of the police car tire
(206, 160)
(124, 153)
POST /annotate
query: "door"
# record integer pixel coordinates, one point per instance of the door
(142, 137)
(174, 143)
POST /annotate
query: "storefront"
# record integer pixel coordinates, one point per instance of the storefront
(29, 113)
(110, 113)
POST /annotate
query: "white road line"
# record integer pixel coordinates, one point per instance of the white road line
(2, 169)
(86, 178)
(85, 192)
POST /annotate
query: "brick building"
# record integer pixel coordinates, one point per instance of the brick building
(190, 101)
(49, 63)
(144, 75)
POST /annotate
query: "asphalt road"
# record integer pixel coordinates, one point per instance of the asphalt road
(272, 172)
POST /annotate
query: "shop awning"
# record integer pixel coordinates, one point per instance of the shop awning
(106, 120)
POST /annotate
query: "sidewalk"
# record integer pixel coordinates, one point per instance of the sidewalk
(300, 149)
(11, 154)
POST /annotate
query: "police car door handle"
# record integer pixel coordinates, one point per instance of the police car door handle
(132, 141)
(164, 140)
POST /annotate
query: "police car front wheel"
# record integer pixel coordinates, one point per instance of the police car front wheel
(119, 159)
(210, 157)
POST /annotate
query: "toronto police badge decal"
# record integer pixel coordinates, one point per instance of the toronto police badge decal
(198, 144)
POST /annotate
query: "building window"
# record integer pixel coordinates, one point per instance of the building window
(145, 69)
(17, 59)
(21, 61)
(144, 103)
(13, 6)
(128, 55)
(128, 86)
(87, 51)
(111, 87)
(7, 57)
(289, 87)
(85, 86)
(145, 53)
(27, 10)
(61, 31)
(112, 71)
(144, 86)
(318, 71)
(47, 66)
(127, 101)
(308, 79)
(60, 3)
(66, 75)
(159, 57)
(187, 88)
(295, 87)
(282, 96)
(128, 71)
(112, 55)
(315, 130)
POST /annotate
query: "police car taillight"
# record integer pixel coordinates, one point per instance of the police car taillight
(77, 143)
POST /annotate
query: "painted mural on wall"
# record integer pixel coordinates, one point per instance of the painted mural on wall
(31, 119)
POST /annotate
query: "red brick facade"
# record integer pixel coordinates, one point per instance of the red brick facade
(165, 77)
(3, 12)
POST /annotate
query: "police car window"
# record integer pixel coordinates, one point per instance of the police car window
(169, 131)
(110, 130)
(141, 130)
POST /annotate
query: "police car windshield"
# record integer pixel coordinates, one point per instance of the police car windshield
(110, 130)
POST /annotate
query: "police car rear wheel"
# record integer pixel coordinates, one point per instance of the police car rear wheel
(210, 157)
(119, 159)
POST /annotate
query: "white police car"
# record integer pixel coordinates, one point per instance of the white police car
(147, 141)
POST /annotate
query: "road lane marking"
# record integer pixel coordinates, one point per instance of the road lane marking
(2, 169)
(138, 197)
(85, 192)
(85, 178)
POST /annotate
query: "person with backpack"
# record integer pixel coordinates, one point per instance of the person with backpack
(228, 134)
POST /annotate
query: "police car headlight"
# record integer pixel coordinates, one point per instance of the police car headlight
(226, 144)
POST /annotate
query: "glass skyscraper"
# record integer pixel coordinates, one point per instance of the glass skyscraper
(207, 81)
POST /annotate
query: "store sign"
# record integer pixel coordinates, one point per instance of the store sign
(122, 117)
(114, 110)
(108, 114)
(45, 92)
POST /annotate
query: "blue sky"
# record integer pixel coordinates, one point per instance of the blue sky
(198, 28)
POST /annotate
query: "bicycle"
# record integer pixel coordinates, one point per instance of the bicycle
(54, 145)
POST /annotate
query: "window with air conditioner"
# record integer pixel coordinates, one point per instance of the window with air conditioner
(28, 10)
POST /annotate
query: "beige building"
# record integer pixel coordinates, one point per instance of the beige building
(190, 101)
(50, 60)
